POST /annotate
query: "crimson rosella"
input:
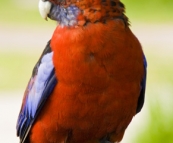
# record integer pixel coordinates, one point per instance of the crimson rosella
(89, 81)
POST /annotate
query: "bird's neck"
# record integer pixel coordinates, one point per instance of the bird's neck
(81, 12)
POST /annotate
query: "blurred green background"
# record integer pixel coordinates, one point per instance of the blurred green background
(23, 35)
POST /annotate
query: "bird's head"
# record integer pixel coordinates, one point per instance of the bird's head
(80, 12)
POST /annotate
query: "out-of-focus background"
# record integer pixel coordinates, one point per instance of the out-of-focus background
(23, 35)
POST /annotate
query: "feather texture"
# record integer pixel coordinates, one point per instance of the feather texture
(38, 90)
(90, 80)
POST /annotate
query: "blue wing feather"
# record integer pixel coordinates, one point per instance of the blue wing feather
(143, 86)
(37, 91)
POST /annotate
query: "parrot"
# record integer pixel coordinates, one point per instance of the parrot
(90, 80)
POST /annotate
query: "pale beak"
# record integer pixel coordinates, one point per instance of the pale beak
(44, 8)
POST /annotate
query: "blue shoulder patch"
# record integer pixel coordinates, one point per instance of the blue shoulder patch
(38, 90)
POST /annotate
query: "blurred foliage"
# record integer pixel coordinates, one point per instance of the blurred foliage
(20, 12)
(159, 122)
(159, 127)
(157, 11)
(12, 13)
(15, 66)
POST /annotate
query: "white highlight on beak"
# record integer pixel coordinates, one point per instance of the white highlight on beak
(44, 8)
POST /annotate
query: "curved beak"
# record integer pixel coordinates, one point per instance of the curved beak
(44, 8)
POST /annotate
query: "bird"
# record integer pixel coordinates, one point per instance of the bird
(90, 80)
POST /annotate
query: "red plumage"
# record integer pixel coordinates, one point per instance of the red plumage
(97, 92)
(99, 67)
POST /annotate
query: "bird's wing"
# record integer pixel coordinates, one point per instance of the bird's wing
(143, 85)
(39, 88)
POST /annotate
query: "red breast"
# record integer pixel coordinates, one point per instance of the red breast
(96, 94)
